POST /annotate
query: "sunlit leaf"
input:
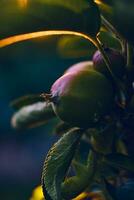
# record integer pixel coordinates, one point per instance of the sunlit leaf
(80, 16)
(57, 163)
(32, 115)
(106, 8)
(28, 36)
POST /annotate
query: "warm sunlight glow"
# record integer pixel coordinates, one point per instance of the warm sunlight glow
(37, 194)
(18, 38)
(104, 6)
(22, 3)
(98, 1)
(92, 195)
(81, 196)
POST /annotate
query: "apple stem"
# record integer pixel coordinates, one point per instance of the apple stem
(46, 96)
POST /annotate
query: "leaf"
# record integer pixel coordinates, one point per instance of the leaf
(79, 167)
(120, 147)
(79, 16)
(105, 6)
(26, 100)
(57, 163)
(70, 4)
(74, 47)
(82, 17)
(120, 161)
(73, 186)
(109, 40)
(32, 115)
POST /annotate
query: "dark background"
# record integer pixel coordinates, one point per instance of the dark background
(25, 68)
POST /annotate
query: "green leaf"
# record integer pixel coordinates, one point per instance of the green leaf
(109, 2)
(80, 16)
(109, 40)
(70, 4)
(120, 147)
(73, 186)
(57, 163)
(120, 161)
(77, 15)
(74, 47)
(106, 9)
(32, 115)
(79, 167)
(26, 100)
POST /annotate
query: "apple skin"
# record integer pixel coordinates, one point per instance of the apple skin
(84, 65)
(116, 59)
(82, 98)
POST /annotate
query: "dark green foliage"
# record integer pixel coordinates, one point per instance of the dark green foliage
(50, 15)
(33, 115)
(120, 161)
(93, 95)
(84, 178)
(74, 47)
(57, 163)
(77, 15)
(123, 18)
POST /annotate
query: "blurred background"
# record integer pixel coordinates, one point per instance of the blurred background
(25, 68)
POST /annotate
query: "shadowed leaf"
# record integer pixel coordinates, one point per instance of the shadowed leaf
(74, 47)
(32, 115)
(120, 161)
(57, 163)
(85, 174)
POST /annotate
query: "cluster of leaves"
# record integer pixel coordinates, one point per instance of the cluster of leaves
(85, 24)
